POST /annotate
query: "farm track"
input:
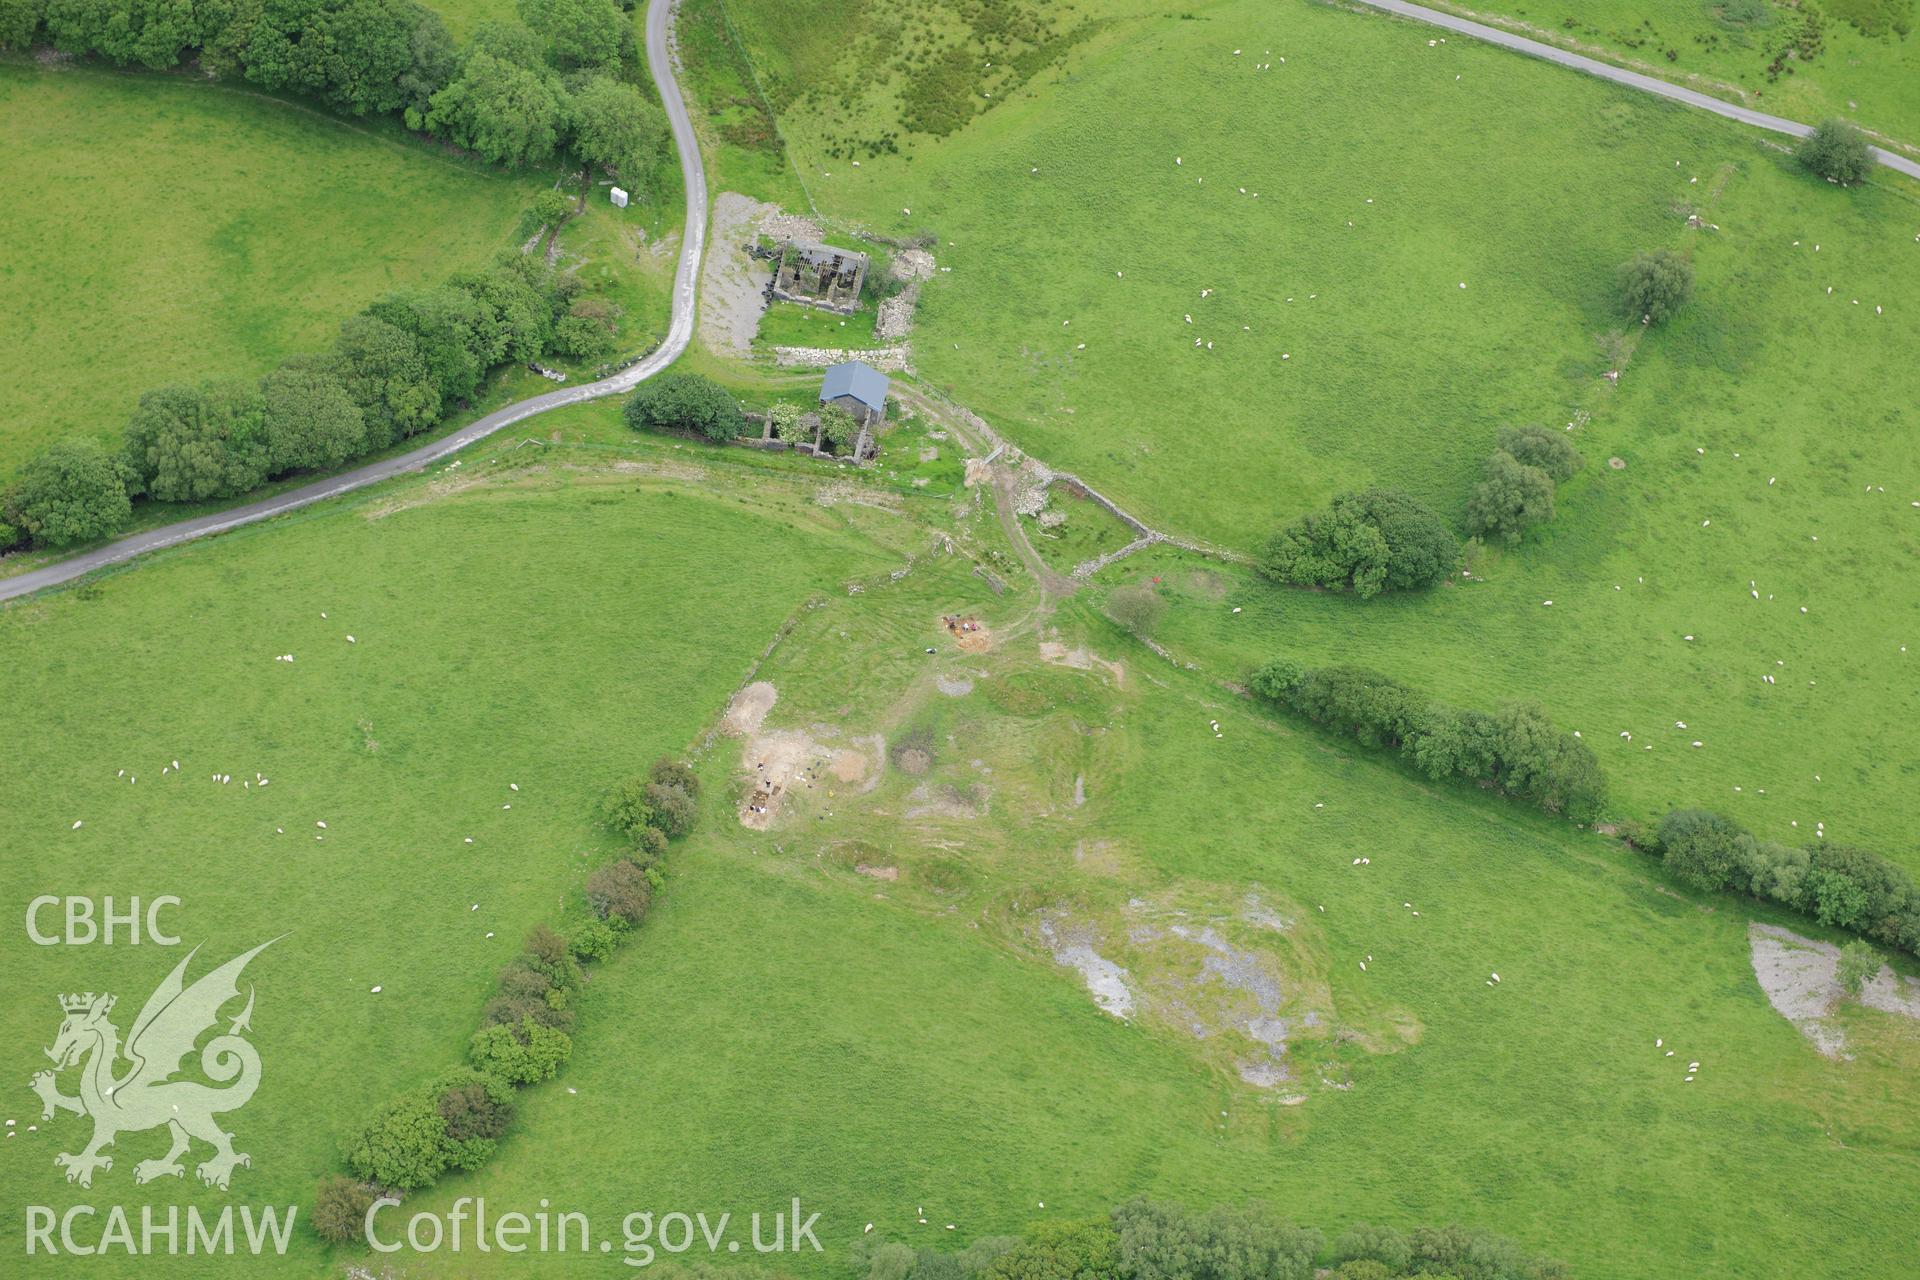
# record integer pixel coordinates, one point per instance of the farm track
(982, 441)
(1620, 75)
(660, 61)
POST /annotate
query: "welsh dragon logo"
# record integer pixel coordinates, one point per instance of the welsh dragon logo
(144, 1095)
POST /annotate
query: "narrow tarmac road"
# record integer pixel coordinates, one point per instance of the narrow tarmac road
(1619, 75)
(679, 333)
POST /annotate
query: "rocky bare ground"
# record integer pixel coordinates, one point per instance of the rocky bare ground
(732, 284)
(1800, 977)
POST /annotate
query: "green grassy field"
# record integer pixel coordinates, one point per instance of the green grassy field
(1332, 244)
(1395, 375)
(1863, 66)
(159, 230)
(506, 631)
(788, 1025)
(890, 1044)
(1679, 582)
(1344, 350)
(789, 324)
(859, 1006)
(462, 16)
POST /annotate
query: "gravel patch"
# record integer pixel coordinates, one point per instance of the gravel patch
(1256, 912)
(788, 226)
(748, 710)
(1800, 978)
(912, 264)
(1073, 948)
(895, 320)
(732, 285)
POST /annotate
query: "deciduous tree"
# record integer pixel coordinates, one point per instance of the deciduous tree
(1654, 286)
(684, 402)
(1510, 498)
(613, 126)
(382, 368)
(1550, 451)
(504, 112)
(1838, 152)
(71, 491)
(189, 444)
(312, 423)
(583, 33)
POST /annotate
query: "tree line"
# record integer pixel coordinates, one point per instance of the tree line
(394, 371)
(1841, 886)
(456, 1120)
(560, 83)
(1516, 749)
(1150, 1240)
(1519, 751)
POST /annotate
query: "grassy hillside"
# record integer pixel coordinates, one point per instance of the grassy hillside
(868, 999)
(895, 1035)
(503, 633)
(858, 1006)
(1528, 185)
(1857, 59)
(160, 230)
(1767, 471)
(1344, 350)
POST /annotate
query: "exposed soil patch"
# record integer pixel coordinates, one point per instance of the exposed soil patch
(928, 801)
(914, 761)
(845, 492)
(1800, 977)
(1082, 659)
(953, 686)
(849, 766)
(1244, 984)
(878, 873)
(748, 710)
(665, 470)
(1100, 858)
(786, 764)
(968, 632)
(446, 485)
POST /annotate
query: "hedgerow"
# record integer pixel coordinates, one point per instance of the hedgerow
(412, 357)
(1842, 886)
(525, 1036)
(1149, 1240)
(1516, 748)
(395, 370)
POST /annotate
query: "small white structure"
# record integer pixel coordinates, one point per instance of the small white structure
(619, 198)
